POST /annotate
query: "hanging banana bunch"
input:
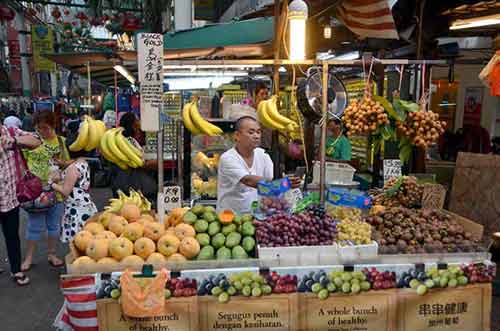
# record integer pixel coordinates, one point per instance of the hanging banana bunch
(271, 118)
(119, 150)
(195, 123)
(89, 135)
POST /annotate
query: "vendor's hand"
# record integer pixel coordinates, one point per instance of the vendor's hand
(295, 181)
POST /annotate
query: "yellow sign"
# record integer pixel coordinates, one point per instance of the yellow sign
(42, 40)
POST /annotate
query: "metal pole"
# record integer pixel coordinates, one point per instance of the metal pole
(116, 99)
(324, 93)
(89, 87)
(159, 151)
(180, 150)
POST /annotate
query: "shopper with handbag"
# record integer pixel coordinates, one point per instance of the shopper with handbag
(9, 205)
(45, 213)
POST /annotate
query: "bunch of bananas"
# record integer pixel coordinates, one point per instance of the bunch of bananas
(195, 123)
(134, 197)
(271, 118)
(89, 135)
(119, 150)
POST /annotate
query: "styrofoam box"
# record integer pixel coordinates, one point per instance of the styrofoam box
(299, 255)
(358, 252)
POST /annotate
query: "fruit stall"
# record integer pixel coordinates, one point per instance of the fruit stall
(340, 259)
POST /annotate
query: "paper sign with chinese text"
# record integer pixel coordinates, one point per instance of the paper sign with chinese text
(150, 62)
(172, 197)
(392, 169)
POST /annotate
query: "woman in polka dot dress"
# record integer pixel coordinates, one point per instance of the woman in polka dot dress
(78, 206)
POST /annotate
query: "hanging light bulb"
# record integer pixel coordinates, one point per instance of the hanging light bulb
(297, 17)
(327, 32)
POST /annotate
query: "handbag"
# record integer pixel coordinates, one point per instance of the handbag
(28, 186)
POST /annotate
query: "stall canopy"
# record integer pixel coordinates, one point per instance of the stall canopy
(239, 39)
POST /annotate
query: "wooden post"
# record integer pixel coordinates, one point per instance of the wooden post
(322, 146)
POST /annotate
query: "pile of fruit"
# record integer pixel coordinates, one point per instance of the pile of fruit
(119, 150)
(323, 284)
(204, 188)
(363, 117)
(422, 281)
(380, 280)
(180, 287)
(128, 233)
(113, 146)
(89, 135)
(422, 128)
(195, 123)
(404, 191)
(402, 230)
(343, 212)
(308, 228)
(270, 117)
(282, 284)
(222, 236)
(354, 232)
(479, 272)
(109, 289)
(246, 283)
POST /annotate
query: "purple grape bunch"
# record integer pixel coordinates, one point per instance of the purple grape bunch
(308, 228)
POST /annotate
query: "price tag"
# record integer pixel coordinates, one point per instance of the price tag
(172, 197)
(294, 196)
(392, 169)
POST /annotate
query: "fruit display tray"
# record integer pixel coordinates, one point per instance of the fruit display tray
(353, 253)
(299, 255)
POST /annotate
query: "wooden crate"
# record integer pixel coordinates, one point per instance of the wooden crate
(465, 308)
(277, 312)
(369, 311)
(181, 314)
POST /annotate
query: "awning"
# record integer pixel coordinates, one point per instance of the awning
(243, 39)
(253, 31)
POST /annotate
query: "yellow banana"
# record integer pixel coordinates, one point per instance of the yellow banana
(136, 151)
(205, 126)
(101, 128)
(124, 146)
(114, 205)
(265, 119)
(93, 139)
(122, 196)
(82, 139)
(188, 122)
(104, 147)
(272, 110)
(113, 147)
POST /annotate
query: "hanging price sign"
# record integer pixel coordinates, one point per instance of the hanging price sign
(392, 169)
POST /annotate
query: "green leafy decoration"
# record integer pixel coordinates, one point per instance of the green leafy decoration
(391, 191)
(388, 132)
(399, 110)
(410, 106)
(405, 152)
(387, 106)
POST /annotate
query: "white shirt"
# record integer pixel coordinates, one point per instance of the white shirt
(12, 122)
(233, 194)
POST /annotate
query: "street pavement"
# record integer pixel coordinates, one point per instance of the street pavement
(34, 307)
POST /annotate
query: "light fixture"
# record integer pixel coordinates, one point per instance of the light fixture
(476, 22)
(327, 32)
(125, 73)
(297, 17)
(205, 73)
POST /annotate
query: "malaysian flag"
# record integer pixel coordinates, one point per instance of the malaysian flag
(79, 312)
(368, 18)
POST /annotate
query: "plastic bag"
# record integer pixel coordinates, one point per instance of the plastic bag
(346, 203)
(143, 297)
(490, 75)
(273, 196)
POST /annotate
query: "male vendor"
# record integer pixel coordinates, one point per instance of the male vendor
(242, 167)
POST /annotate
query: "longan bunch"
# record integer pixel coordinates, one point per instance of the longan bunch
(364, 117)
(423, 128)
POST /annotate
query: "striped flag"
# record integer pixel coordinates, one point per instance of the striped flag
(368, 18)
(79, 312)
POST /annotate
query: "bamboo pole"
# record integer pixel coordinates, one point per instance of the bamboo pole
(322, 150)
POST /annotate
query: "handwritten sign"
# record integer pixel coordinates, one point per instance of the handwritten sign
(434, 196)
(150, 62)
(392, 169)
(172, 197)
